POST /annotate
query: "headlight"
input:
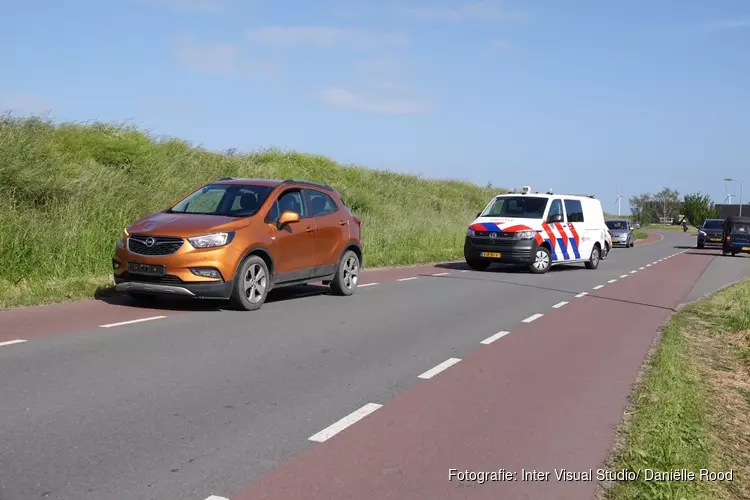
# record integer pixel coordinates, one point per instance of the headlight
(470, 233)
(211, 240)
(526, 235)
(702, 233)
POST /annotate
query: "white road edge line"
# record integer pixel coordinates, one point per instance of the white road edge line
(464, 270)
(214, 497)
(581, 295)
(597, 287)
(559, 304)
(11, 342)
(441, 274)
(493, 338)
(624, 276)
(141, 320)
(633, 271)
(641, 268)
(345, 422)
(648, 265)
(533, 317)
(612, 281)
(408, 279)
(368, 284)
(442, 366)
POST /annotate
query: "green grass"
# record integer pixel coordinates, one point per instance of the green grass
(67, 191)
(668, 227)
(690, 410)
(640, 235)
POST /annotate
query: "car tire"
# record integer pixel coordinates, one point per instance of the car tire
(477, 264)
(542, 261)
(593, 261)
(345, 282)
(251, 285)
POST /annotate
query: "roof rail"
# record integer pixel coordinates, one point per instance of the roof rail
(309, 183)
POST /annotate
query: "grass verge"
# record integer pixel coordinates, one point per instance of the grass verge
(640, 235)
(669, 227)
(691, 407)
(67, 190)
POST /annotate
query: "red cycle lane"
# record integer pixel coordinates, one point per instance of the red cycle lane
(547, 396)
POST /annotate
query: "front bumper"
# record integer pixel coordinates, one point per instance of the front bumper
(620, 241)
(511, 251)
(198, 290)
(709, 240)
(740, 247)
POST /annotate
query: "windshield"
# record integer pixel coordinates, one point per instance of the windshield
(713, 224)
(521, 207)
(227, 200)
(617, 225)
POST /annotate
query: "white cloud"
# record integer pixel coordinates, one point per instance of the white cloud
(325, 37)
(24, 104)
(481, 10)
(373, 102)
(221, 59)
(195, 6)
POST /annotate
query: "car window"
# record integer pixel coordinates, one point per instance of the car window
(520, 207)
(617, 225)
(320, 203)
(574, 210)
(290, 200)
(555, 208)
(232, 200)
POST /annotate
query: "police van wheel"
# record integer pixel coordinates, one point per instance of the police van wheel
(477, 264)
(542, 261)
(593, 261)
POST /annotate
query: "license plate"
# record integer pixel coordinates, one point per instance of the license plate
(715, 239)
(146, 269)
(746, 249)
(492, 255)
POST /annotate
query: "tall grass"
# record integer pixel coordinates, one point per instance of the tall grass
(67, 190)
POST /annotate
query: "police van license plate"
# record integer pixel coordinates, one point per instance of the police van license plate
(492, 255)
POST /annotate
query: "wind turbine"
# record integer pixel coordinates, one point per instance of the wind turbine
(729, 198)
(619, 203)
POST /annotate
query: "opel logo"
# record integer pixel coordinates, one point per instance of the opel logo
(150, 242)
(493, 236)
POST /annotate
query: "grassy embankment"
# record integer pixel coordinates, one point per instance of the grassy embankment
(669, 227)
(67, 191)
(691, 408)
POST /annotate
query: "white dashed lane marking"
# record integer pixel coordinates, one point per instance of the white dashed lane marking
(408, 279)
(611, 281)
(368, 284)
(493, 338)
(441, 274)
(345, 422)
(533, 317)
(597, 287)
(633, 271)
(623, 276)
(11, 342)
(582, 294)
(439, 368)
(559, 305)
(132, 321)
(214, 497)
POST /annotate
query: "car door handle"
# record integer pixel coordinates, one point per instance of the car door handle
(309, 229)
(343, 222)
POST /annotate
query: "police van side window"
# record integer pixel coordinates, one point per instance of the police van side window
(555, 208)
(574, 210)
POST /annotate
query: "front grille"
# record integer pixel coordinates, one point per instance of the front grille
(167, 279)
(163, 245)
(498, 243)
(486, 234)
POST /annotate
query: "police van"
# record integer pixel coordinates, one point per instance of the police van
(539, 230)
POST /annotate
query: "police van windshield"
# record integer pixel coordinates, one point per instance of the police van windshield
(520, 207)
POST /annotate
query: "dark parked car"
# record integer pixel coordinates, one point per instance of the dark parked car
(710, 232)
(622, 232)
(736, 235)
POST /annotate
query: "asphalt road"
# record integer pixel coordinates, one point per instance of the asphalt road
(205, 402)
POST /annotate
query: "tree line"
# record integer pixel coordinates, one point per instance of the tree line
(667, 204)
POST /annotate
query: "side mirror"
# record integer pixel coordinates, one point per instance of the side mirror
(288, 217)
(555, 218)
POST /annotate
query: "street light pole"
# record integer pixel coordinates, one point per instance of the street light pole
(729, 179)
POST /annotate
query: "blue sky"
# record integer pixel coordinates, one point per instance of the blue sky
(578, 96)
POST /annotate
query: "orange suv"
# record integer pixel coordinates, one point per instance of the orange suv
(236, 239)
